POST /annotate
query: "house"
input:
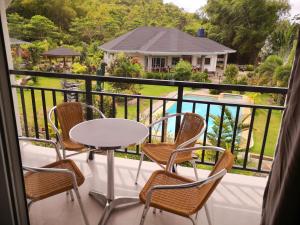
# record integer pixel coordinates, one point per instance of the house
(159, 49)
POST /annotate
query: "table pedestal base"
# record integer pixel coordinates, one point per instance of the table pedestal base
(109, 205)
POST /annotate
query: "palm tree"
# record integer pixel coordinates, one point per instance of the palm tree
(228, 130)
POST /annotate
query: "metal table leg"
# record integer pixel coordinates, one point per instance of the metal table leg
(110, 202)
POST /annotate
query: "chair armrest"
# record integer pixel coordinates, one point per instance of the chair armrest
(198, 184)
(95, 109)
(52, 170)
(29, 139)
(179, 150)
(164, 119)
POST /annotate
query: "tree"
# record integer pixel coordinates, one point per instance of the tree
(124, 66)
(59, 11)
(267, 69)
(183, 71)
(41, 28)
(16, 25)
(227, 130)
(230, 74)
(243, 25)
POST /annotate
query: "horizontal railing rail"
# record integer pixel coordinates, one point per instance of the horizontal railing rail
(35, 102)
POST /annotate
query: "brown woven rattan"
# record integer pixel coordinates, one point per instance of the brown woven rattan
(191, 125)
(41, 185)
(69, 114)
(187, 201)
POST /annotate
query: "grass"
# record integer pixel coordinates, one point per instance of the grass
(260, 124)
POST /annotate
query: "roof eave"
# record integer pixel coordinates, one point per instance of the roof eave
(168, 53)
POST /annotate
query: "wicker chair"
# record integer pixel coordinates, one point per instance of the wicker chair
(179, 195)
(70, 114)
(191, 128)
(55, 178)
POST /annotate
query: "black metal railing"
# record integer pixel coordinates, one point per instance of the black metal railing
(133, 107)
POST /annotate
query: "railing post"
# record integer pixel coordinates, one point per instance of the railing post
(89, 101)
(179, 108)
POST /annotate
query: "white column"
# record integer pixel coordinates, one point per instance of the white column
(225, 61)
(10, 61)
(149, 63)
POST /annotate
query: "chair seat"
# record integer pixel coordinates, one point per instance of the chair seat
(161, 153)
(184, 202)
(70, 145)
(41, 185)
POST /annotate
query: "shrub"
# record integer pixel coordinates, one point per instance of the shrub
(124, 66)
(154, 75)
(200, 77)
(231, 73)
(107, 106)
(249, 67)
(78, 68)
(214, 91)
(282, 75)
(183, 71)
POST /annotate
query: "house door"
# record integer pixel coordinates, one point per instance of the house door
(187, 58)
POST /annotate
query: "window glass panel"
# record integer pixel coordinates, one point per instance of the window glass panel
(207, 61)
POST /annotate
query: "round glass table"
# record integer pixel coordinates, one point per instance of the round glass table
(109, 134)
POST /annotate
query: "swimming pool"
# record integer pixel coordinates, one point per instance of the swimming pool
(201, 109)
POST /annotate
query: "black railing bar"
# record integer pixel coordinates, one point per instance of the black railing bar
(36, 127)
(163, 122)
(220, 131)
(86, 77)
(125, 107)
(54, 104)
(150, 119)
(264, 139)
(155, 98)
(205, 132)
(236, 124)
(249, 138)
(24, 112)
(45, 114)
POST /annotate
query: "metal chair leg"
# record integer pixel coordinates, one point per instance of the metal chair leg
(195, 169)
(144, 215)
(193, 221)
(207, 215)
(71, 195)
(86, 221)
(139, 168)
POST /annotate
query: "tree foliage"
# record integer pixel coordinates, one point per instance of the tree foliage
(183, 71)
(242, 24)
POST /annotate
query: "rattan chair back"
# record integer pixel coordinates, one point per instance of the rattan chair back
(69, 114)
(225, 162)
(191, 126)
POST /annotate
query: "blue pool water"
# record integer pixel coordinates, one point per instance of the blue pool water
(201, 109)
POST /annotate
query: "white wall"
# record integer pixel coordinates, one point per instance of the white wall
(213, 63)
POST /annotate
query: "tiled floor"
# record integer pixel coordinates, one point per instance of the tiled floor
(236, 201)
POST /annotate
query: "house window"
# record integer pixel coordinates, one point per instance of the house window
(199, 61)
(158, 62)
(207, 61)
(175, 60)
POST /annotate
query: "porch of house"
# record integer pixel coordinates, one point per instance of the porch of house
(237, 200)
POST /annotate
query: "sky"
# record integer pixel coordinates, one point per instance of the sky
(193, 5)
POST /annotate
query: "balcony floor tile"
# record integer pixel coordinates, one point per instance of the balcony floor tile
(236, 201)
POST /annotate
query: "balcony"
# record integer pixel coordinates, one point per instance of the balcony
(237, 199)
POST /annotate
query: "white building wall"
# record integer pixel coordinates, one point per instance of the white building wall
(213, 63)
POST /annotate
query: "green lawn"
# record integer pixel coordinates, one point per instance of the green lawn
(260, 123)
